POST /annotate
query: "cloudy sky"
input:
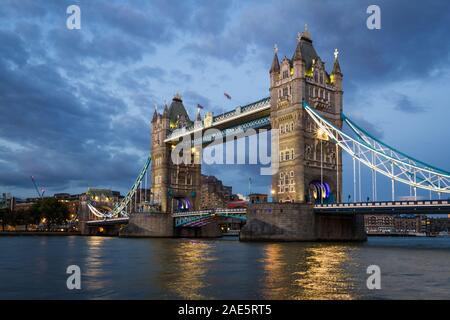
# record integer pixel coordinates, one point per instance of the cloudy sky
(75, 105)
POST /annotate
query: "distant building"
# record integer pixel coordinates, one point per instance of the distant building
(213, 193)
(408, 224)
(436, 226)
(379, 224)
(7, 201)
(258, 198)
(395, 224)
(102, 195)
(72, 201)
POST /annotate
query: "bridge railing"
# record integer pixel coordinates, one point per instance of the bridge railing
(191, 213)
(209, 212)
(384, 203)
(230, 115)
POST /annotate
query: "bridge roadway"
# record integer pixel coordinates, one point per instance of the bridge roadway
(387, 207)
(376, 207)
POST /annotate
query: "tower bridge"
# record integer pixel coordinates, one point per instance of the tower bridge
(305, 109)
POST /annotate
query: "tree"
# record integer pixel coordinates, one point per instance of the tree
(24, 217)
(35, 213)
(7, 217)
(52, 210)
(3, 214)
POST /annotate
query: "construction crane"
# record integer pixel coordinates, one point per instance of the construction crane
(41, 195)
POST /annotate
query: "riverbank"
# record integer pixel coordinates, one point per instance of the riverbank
(38, 233)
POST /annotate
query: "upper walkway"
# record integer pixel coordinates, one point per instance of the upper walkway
(254, 115)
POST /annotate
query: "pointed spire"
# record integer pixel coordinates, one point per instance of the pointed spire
(275, 63)
(336, 66)
(155, 113)
(298, 52)
(166, 111)
(306, 34)
(177, 97)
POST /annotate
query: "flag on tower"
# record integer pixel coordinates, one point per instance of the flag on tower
(227, 95)
(199, 106)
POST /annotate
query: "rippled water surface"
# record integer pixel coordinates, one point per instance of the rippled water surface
(115, 268)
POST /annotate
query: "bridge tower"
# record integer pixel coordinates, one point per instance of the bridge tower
(174, 186)
(310, 164)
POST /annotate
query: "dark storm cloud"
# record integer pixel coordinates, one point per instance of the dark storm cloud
(404, 104)
(408, 30)
(104, 48)
(62, 139)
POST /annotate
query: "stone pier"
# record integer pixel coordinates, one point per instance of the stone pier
(298, 222)
(157, 225)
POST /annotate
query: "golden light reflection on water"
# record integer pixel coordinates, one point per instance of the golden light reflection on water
(94, 263)
(325, 277)
(274, 267)
(315, 273)
(191, 259)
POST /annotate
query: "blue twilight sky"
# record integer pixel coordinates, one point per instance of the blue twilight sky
(75, 105)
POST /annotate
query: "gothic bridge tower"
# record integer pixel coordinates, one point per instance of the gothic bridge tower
(175, 187)
(310, 164)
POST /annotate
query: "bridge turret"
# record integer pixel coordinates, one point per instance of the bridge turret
(304, 78)
(336, 80)
(297, 60)
(160, 154)
(275, 68)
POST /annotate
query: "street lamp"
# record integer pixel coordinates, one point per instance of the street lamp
(321, 135)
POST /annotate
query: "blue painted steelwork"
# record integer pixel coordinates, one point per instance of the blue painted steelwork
(363, 135)
(382, 159)
(254, 124)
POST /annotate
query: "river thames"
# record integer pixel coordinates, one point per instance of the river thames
(34, 267)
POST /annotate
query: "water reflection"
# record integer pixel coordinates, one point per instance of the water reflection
(307, 272)
(95, 269)
(326, 276)
(188, 269)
